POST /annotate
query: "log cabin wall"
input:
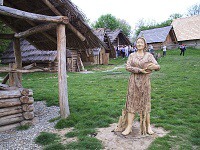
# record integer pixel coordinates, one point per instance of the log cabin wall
(16, 108)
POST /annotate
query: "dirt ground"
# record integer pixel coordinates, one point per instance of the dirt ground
(116, 141)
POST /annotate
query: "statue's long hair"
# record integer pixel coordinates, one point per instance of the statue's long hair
(145, 43)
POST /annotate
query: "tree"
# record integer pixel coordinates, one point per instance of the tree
(111, 22)
(175, 16)
(107, 21)
(126, 28)
(194, 10)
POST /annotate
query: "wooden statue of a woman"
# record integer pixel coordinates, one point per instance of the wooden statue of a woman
(140, 64)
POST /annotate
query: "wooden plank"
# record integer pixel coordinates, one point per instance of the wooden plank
(11, 119)
(62, 76)
(9, 102)
(36, 29)
(10, 94)
(8, 127)
(10, 111)
(20, 71)
(31, 16)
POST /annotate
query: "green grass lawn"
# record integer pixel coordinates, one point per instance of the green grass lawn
(96, 100)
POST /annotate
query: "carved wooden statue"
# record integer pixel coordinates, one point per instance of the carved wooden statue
(140, 64)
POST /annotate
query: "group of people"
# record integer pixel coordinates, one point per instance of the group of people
(125, 50)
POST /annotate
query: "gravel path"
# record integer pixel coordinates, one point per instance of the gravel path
(24, 140)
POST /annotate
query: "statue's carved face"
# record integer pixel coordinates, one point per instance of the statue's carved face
(140, 44)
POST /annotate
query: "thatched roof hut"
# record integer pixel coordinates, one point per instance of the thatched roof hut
(48, 25)
(102, 34)
(159, 37)
(47, 40)
(117, 37)
(30, 54)
(187, 30)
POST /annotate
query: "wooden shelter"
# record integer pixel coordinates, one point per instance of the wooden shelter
(160, 36)
(117, 37)
(42, 58)
(99, 55)
(187, 30)
(48, 25)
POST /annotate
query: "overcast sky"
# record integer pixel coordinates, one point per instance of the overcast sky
(133, 10)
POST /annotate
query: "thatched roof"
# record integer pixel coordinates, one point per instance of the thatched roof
(157, 35)
(66, 8)
(100, 33)
(187, 28)
(118, 33)
(30, 54)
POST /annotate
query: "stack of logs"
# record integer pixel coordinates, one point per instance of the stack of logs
(16, 108)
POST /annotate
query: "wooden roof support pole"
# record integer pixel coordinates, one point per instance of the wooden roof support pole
(62, 75)
(18, 57)
(31, 16)
(39, 28)
(7, 36)
(74, 30)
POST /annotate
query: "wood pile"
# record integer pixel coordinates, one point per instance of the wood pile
(16, 107)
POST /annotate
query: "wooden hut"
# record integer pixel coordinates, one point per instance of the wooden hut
(117, 37)
(48, 25)
(187, 30)
(160, 36)
(99, 55)
(45, 59)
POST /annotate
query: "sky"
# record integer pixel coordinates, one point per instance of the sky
(134, 10)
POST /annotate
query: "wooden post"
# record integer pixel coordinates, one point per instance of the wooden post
(18, 56)
(62, 74)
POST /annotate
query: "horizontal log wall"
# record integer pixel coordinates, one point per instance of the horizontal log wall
(16, 108)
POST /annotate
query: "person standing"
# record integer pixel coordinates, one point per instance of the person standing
(164, 50)
(123, 52)
(182, 48)
(140, 64)
(126, 51)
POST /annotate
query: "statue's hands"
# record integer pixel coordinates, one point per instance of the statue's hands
(151, 66)
(144, 71)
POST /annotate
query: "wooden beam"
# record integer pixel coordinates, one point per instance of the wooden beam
(20, 71)
(5, 79)
(52, 7)
(62, 76)
(31, 23)
(44, 33)
(7, 36)
(18, 56)
(34, 30)
(31, 16)
(71, 27)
